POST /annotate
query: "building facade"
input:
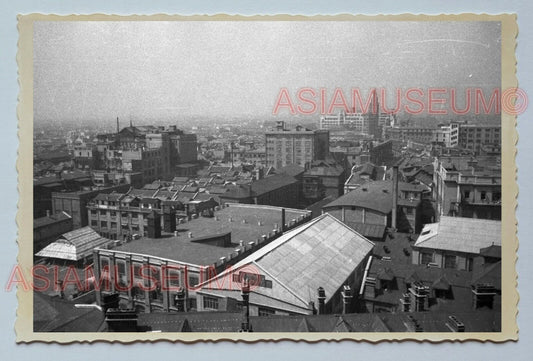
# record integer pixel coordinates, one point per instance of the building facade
(466, 188)
(297, 146)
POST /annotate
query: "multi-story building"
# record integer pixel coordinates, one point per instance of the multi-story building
(198, 249)
(323, 179)
(404, 134)
(369, 123)
(75, 203)
(298, 146)
(454, 242)
(467, 187)
(473, 137)
(151, 151)
(447, 135)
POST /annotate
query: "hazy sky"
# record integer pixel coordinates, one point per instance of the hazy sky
(143, 70)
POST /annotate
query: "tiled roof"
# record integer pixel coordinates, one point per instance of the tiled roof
(110, 197)
(261, 186)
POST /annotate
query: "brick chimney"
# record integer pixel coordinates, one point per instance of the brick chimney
(346, 299)
(321, 301)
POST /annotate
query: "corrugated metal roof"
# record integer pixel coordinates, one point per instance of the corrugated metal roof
(321, 253)
(74, 245)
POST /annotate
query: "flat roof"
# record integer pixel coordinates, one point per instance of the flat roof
(185, 249)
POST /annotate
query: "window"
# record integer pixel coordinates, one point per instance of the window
(467, 195)
(210, 303)
(103, 224)
(265, 311)
(450, 261)
(470, 264)
(193, 280)
(426, 258)
(94, 223)
(496, 196)
(483, 195)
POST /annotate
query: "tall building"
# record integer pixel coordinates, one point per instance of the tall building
(473, 136)
(154, 152)
(369, 123)
(298, 146)
(465, 186)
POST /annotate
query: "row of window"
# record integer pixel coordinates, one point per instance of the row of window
(450, 261)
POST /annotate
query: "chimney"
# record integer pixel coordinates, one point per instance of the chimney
(245, 293)
(394, 196)
(118, 127)
(179, 300)
(312, 307)
(282, 220)
(121, 320)
(110, 301)
(346, 299)
(321, 301)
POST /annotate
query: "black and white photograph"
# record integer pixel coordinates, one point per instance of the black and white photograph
(320, 177)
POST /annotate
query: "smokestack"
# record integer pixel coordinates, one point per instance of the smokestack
(118, 127)
(321, 301)
(282, 220)
(394, 196)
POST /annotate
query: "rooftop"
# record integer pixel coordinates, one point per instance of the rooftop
(192, 250)
(373, 195)
(320, 253)
(54, 218)
(74, 245)
(459, 234)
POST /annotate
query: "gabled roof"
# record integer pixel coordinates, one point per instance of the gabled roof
(74, 245)
(373, 195)
(459, 234)
(321, 253)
